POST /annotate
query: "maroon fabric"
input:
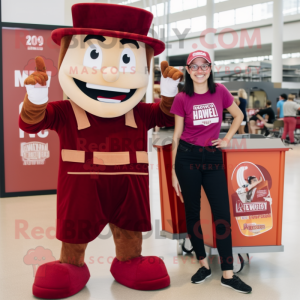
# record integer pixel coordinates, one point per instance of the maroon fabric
(289, 128)
(141, 273)
(111, 17)
(57, 280)
(111, 20)
(86, 203)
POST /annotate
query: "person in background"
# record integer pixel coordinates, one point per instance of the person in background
(242, 105)
(289, 111)
(282, 99)
(268, 121)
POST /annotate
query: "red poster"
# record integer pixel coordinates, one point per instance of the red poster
(30, 160)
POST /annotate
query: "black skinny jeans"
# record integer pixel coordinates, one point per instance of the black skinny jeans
(196, 166)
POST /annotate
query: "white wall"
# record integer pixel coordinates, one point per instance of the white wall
(49, 12)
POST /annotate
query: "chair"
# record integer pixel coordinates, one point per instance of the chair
(277, 128)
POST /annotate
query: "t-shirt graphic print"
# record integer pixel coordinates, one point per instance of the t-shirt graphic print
(205, 114)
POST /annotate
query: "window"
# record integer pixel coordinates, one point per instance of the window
(172, 26)
(262, 11)
(257, 13)
(175, 6)
(128, 1)
(190, 4)
(290, 7)
(226, 18)
(201, 3)
(162, 33)
(198, 24)
(267, 9)
(155, 33)
(183, 24)
(216, 20)
(243, 15)
(160, 9)
(153, 10)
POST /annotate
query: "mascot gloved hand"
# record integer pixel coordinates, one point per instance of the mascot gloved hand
(103, 178)
(170, 77)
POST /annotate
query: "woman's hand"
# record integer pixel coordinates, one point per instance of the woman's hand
(176, 186)
(220, 143)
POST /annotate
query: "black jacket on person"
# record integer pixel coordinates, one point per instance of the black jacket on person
(266, 111)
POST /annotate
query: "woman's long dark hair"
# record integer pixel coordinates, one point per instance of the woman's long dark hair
(188, 87)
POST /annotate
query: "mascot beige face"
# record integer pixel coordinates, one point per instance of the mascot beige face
(103, 75)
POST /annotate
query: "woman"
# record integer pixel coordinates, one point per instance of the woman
(268, 121)
(198, 161)
(289, 111)
(243, 104)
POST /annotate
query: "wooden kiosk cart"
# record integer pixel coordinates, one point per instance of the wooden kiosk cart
(256, 214)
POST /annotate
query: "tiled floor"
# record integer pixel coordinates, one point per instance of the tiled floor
(272, 276)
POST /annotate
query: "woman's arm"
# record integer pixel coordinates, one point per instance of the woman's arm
(238, 117)
(179, 124)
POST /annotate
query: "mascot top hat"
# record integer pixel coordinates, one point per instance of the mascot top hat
(111, 20)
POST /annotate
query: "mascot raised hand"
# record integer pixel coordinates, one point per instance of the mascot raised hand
(103, 177)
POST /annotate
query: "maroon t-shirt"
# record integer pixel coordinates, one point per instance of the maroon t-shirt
(203, 114)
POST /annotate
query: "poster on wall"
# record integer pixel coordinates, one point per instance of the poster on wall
(252, 199)
(30, 160)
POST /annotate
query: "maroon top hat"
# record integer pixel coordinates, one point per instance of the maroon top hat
(112, 20)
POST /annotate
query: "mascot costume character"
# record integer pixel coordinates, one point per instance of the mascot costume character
(103, 178)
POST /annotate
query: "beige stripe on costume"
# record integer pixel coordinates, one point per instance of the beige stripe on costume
(142, 157)
(129, 119)
(106, 173)
(81, 117)
(111, 158)
(73, 155)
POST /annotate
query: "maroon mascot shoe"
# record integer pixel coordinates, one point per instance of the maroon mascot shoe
(56, 280)
(141, 273)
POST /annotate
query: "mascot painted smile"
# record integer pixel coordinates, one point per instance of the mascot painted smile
(103, 173)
